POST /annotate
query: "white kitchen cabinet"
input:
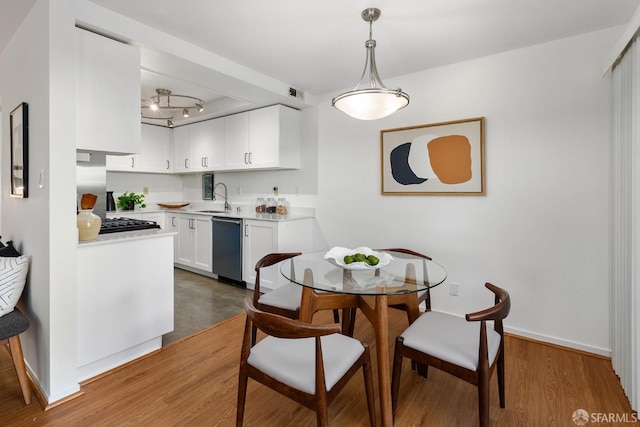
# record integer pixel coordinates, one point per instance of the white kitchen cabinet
(266, 138)
(123, 163)
(274, 138)
(193, 242)
(207, 145)
(181, 149)
(107, 94)
(264, 237)
(199, 147)
(155, 155)
(236, 141)
(171, 223)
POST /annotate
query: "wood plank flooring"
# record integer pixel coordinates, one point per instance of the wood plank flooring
(193, 382)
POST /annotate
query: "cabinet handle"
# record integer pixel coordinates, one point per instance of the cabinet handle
(245, 158)
(173, 221)
(250, 157)
(246, 230)
(186, 166)
(133, 162)
(168, 165)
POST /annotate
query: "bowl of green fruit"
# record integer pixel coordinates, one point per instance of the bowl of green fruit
(361, 258)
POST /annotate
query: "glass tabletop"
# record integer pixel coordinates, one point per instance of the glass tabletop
(403, 274)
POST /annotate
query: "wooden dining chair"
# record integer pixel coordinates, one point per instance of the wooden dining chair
(284, 300)
(465, 348)
(423, 296)
(402, 302)
(308, 363)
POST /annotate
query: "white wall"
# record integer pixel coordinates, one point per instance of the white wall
(43, 225)
(541, 230)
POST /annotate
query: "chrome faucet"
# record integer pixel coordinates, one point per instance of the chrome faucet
(227, 207)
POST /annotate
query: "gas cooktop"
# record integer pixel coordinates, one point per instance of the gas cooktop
(115, 225)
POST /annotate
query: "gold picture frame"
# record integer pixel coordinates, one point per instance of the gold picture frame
(444, 158)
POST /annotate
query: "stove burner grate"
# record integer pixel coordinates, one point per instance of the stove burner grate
(116, 225)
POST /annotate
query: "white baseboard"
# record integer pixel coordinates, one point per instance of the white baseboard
(552, 340)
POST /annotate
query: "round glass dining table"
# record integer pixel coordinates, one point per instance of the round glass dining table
(327, 285)
(404, 273)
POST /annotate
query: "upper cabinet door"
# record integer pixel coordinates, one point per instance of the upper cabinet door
(156, 153)
(274, 138)
(181, 149)
(207, 145)
(107, 95)
(236, 141)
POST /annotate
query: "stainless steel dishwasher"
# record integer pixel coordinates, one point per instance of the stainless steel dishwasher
(227, 248)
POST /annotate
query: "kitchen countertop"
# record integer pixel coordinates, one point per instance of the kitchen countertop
(244, 214)
(108, 238)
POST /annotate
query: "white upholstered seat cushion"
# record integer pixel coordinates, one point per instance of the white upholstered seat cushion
(292, 361)
(450, 338)
(287, 296)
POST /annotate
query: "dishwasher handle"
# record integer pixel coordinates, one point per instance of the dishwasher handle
(227, 220)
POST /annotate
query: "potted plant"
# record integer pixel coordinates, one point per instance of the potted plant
(128, 201)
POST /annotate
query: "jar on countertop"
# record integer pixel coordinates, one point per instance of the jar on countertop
(271, 205)
(283, 206)
(261, 205)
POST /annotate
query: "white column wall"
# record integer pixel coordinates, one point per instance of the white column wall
(38, 67)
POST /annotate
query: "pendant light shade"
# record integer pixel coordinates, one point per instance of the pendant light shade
(371, 99)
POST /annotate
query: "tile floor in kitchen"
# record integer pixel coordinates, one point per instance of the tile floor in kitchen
(200, 302)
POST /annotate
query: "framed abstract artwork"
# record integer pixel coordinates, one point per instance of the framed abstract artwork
(19, 125)
(435, 159)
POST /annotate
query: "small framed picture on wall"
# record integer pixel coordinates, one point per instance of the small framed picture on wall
(19, 125)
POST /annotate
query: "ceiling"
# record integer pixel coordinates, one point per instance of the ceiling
(318, 46)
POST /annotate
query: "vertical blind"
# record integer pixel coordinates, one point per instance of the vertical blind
(625, 223)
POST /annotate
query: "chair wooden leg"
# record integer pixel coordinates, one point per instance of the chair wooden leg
(21, 369)
(352, 321)
(242, 394)
(397, 371)
(368, 387)
(254, 334)
(348, 321)
(336, 316)
(500, 369)
(483, 400)
(322, 414)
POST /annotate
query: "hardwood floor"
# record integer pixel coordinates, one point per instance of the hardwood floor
(193, 382)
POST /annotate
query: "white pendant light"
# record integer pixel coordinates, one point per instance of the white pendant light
(371, 99)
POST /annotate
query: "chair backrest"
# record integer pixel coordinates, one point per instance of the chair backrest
(267, 261)
(406, 251)
(282, 327)
(497, 313)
